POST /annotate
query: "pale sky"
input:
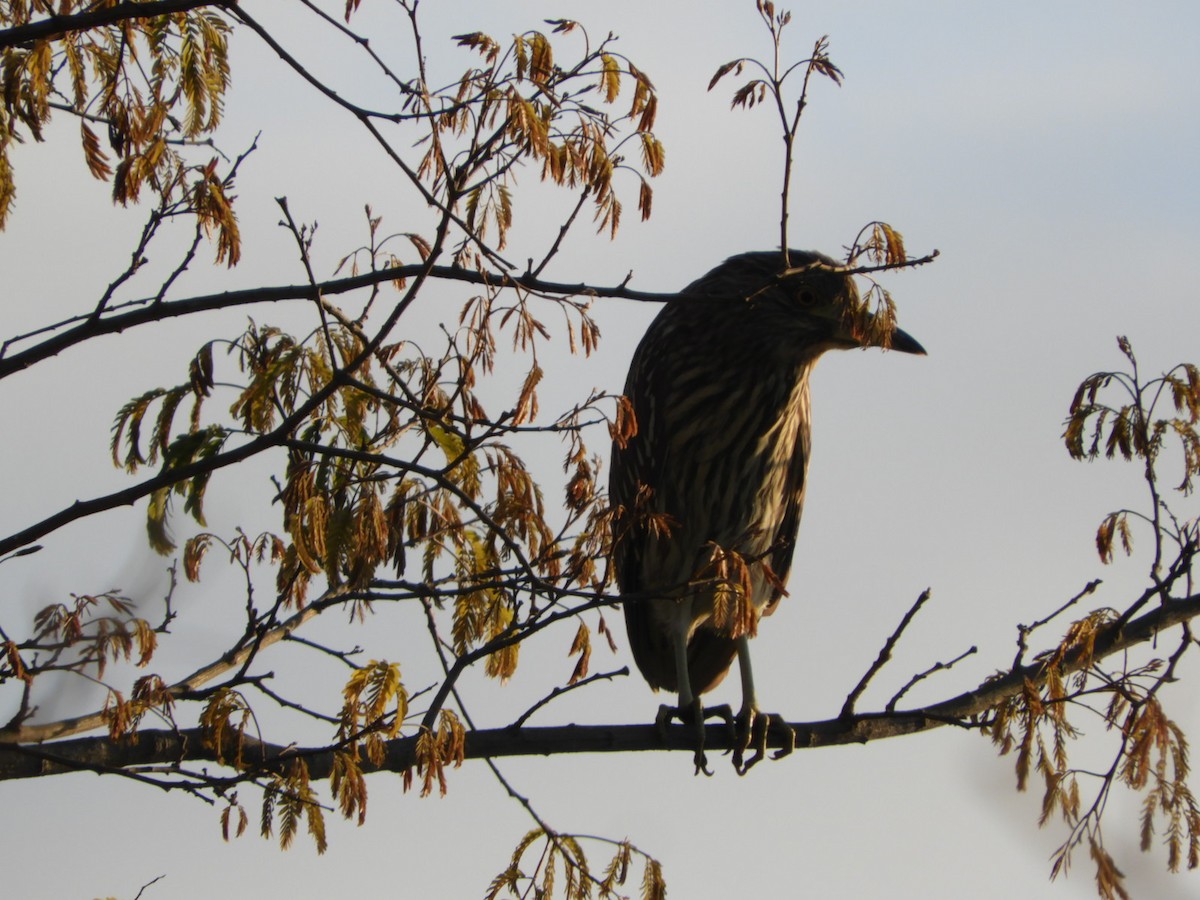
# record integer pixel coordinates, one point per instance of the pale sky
(1047, 150)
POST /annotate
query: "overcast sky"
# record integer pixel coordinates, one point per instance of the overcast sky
(1047, 150)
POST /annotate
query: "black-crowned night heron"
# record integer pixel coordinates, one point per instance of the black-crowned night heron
(708, 492)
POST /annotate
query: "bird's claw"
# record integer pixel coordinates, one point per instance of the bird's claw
(753, 728)
(694, 715)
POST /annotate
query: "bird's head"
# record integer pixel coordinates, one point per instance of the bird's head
(811, 303)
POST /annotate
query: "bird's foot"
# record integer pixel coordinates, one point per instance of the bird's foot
(753, 729)
(694, 715)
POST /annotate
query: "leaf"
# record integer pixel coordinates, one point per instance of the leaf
(463, 467)
(894, 243)
(147, 641)
(1119, 436)
(1073, 434)
(749, 94)
(97, 161)
(653, 885)
(724, 70)
(581, 645)
(1109, 879)
(480, 42)
(424, 249)
(502, 662)
(541, 59)
(527, 403)
(166, 418)
(184, 451)
(216, 723)
(214, 209)
(296, 801)
(624, 426)
(1104, 538)
(645, 200)
(618, 867)
(653, 157)
(645, 100)
(610, 77)
(8, 190)
(348, 786)
(200, 371)
(822, 64)
(1126, 348)
(128, 425)
(17, 666)
(157, 514)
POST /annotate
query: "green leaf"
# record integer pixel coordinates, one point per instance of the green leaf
(157, 514)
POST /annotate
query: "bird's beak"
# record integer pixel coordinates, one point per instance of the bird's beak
(900, 340)
(906, 343)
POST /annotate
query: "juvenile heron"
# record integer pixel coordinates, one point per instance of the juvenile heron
(709, 491)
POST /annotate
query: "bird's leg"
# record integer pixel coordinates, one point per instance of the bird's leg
(751, 729)
(753, 725)
(690, 710)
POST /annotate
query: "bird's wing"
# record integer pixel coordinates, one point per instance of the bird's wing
(631, 467)
(784, 542)
(664, 399)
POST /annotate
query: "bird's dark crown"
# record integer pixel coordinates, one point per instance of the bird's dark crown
(751, 276)
(778, 301)
(807, 305)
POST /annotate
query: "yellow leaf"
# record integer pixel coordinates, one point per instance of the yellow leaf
(610, 77)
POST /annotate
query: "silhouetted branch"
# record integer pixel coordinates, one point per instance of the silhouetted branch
(921, 676)
(54, 27)
(161, 747)
(559, 691)
(884, 656)
(160, 312)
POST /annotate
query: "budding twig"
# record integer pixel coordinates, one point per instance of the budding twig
(884, 656)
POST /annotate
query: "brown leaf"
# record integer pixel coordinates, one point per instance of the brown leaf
(725, 70)
(97, 160)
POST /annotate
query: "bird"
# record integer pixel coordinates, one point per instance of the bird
(707, 486)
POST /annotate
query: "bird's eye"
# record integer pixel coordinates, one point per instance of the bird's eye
(806, 297)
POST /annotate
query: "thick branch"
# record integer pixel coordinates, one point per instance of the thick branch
(89, 328)
(55, 27)
(167, 748)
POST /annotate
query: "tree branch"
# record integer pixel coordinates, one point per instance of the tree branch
(164, 747)
(885, 656)
(55, 27)
(157, 312)
(36, 734)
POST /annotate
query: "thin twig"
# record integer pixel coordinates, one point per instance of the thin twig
(138, 896)
(884, 656)
(921, 676)
(559, 691)
(1023, 631)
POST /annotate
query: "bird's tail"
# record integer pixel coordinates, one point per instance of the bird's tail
(710, 654)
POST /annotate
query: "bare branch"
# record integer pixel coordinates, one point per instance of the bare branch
(158, 312)
(163, 747)
(884, 656)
